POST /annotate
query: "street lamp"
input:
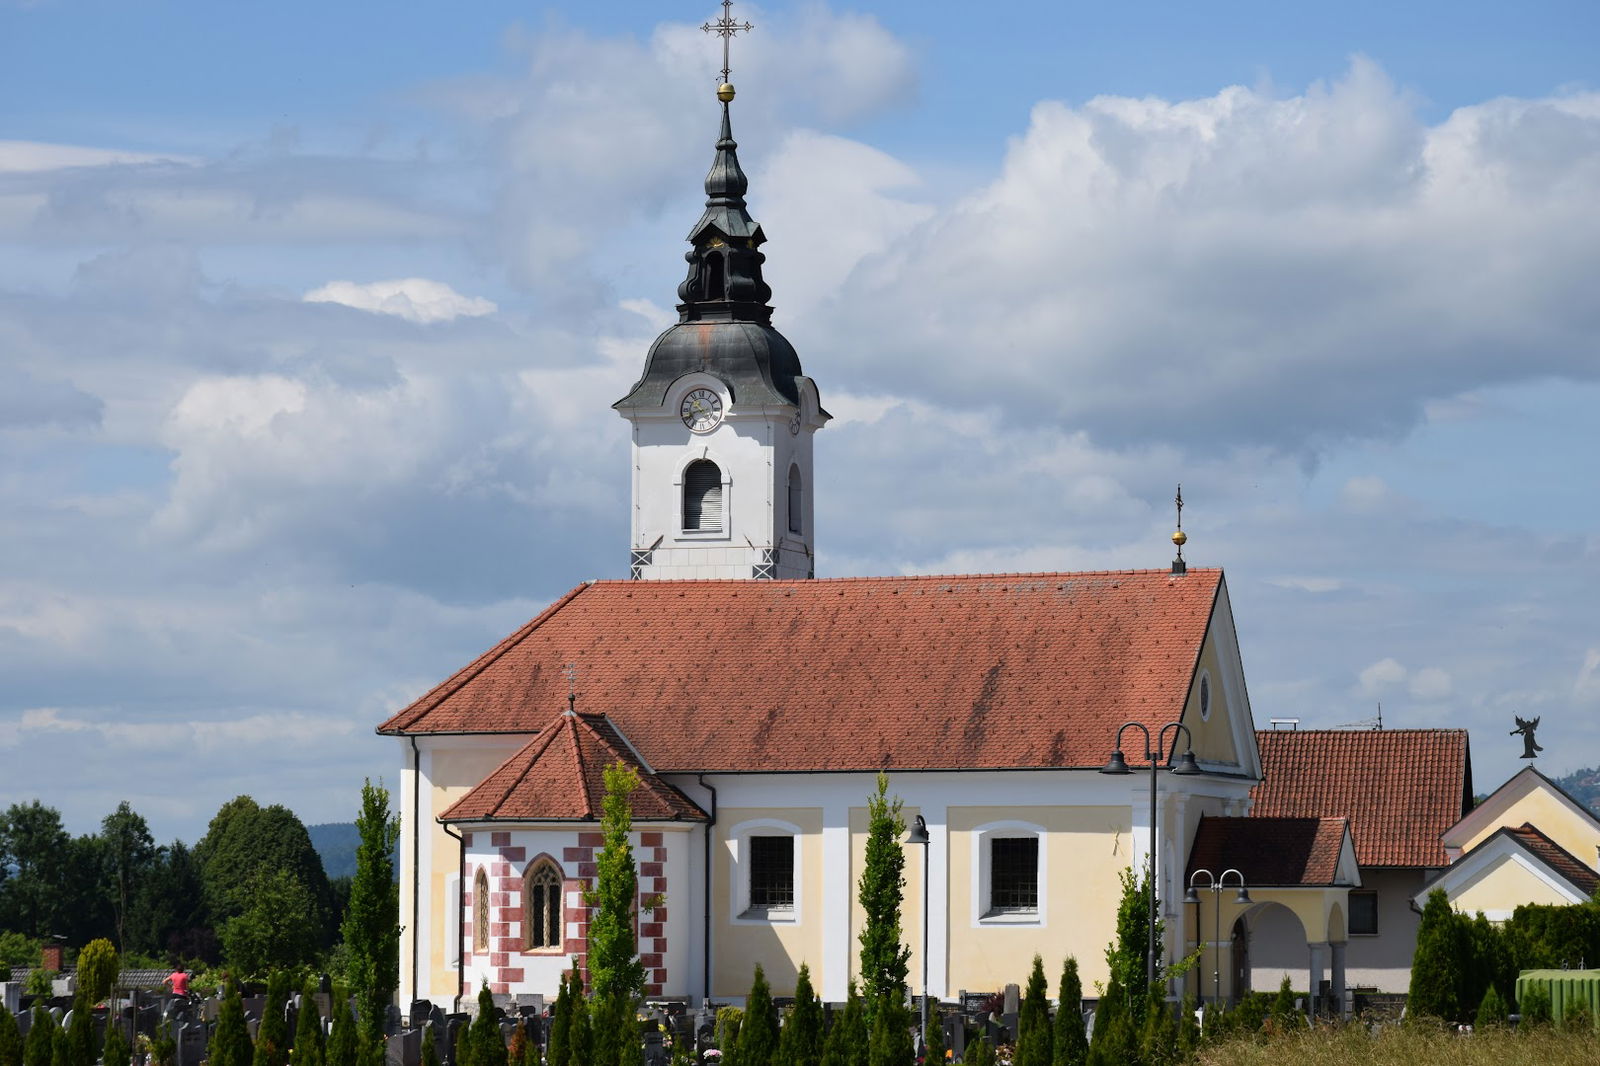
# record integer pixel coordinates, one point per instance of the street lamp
(1117, 765)
(1216, 885)
(919, 835)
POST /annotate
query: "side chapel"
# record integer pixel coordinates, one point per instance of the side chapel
(758, 704)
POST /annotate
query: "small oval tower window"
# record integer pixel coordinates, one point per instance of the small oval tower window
(1205, 697)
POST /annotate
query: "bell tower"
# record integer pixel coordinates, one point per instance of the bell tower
(723, 417)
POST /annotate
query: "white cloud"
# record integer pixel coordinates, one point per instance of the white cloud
(413, 299)
(1381, 675)
(1430, 684)
(28, 156)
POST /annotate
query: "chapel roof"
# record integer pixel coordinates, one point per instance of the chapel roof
(1400, 788)
(970, 672)
(560, 776)
(1270, 852)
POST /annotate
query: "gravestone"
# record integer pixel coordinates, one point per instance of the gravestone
(1013, 999)
(24, 1022)
(192, 1040)
(391, 1020)
(66, 1019)
(11, 996)
(955, 1035)
(255, 1006)
(421, 1010)
(324, 1002)
(404, 1048)
(655, 1049)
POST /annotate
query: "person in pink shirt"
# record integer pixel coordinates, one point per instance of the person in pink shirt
(179, 980)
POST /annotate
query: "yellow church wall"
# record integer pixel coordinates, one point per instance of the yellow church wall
(1213, 736)
(1503, 888)
(779, 946)
(1551, 816)
(1084, 851)
(453, 772)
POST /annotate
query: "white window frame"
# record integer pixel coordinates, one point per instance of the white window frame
(726, 532)
(981, 838)
(738, 844)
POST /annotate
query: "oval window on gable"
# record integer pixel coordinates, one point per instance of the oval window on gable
(702, 496)
(1205, 697)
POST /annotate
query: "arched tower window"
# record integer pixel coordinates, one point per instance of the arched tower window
(480, 913)
(796, 500)
(542, 893)
(702, 496)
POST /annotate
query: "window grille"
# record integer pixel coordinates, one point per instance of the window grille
(1364, 913)
(772, 873)
(480, 913)
(702, 496)
(543, 893)
(1014, 874)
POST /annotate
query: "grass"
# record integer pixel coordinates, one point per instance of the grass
(1395, 1046)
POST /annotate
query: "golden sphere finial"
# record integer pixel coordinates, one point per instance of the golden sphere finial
(725, 92)
(1180, 538)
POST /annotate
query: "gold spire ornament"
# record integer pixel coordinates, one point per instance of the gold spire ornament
(725, 28)
(1180, 538)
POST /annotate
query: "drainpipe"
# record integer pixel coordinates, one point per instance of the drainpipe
(461, 950)
(706, 918)
(416, 859)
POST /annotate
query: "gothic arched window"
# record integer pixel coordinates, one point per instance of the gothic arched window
(702, 496)
(480, 913)
(541, 893)
(796, 500)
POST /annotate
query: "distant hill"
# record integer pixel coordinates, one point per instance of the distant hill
(336, 844)
(1585, 786)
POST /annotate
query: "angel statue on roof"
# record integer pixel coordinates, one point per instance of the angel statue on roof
(1530, 747)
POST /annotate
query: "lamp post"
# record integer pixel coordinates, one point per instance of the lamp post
(1117, 765)
(1216, 884)
(919, 835)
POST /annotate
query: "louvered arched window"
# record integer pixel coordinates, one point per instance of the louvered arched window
(796, 500)
(702, 496)
(480, 913)
(542, 891)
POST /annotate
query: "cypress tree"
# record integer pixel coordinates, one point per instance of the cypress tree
(933, 1049)
(307, 1049)
(371, 926)
(800, 1042)
(882, 885)
(1492, 1011)
(517, 1050)
(36, 1049)
(115, 1052)
(230, 1040)
(488, 1049)
(890, 1042)
(1033, 1023)
(558, 1045)
(1536, 1007)
(11, 1039)
(1069, 1045)
(272, 1035)
(980, 1053)
(1188, 1029)
(1115, 1041)
(616, 975)
(463, 1048)
(80, 1048)
(1158, 1037)
(1284, 1016)
(581, 1032)
(758, 1036)
(846, 1042)
(430, 1046)
(58, 1048)
(344, 1043)
(1433, 992)
(729, 1021)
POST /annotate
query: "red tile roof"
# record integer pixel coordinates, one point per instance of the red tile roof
(1400, 788)
(1554, 856)
(1033, 670)
(1272, 852)
(560, 776)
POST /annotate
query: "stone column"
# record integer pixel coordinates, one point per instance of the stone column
(1319, 952)
(1338, 975)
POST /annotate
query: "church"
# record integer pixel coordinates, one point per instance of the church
(1051, 730)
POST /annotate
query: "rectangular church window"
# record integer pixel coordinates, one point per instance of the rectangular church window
(771, 874)
(1013, 875)
(1363, 914)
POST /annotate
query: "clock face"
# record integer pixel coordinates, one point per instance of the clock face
(701, 410)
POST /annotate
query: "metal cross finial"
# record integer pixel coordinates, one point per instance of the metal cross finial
(570, 670)
(1180, 538)
(725, 28)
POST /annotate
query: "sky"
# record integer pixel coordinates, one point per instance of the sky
(311, 316)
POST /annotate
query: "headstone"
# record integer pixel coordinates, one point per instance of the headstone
(254, 1006)
(64, 986)
(404, 1048)
(531, 999)
(421, 1011)
(324, 1004)
(192, 1044)
(66, 1019)
(24, 1021)
(655, 1049)
(252, 1026)
(955, 1035)
(1013, 999)
(391, 1020)
(11, 996)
